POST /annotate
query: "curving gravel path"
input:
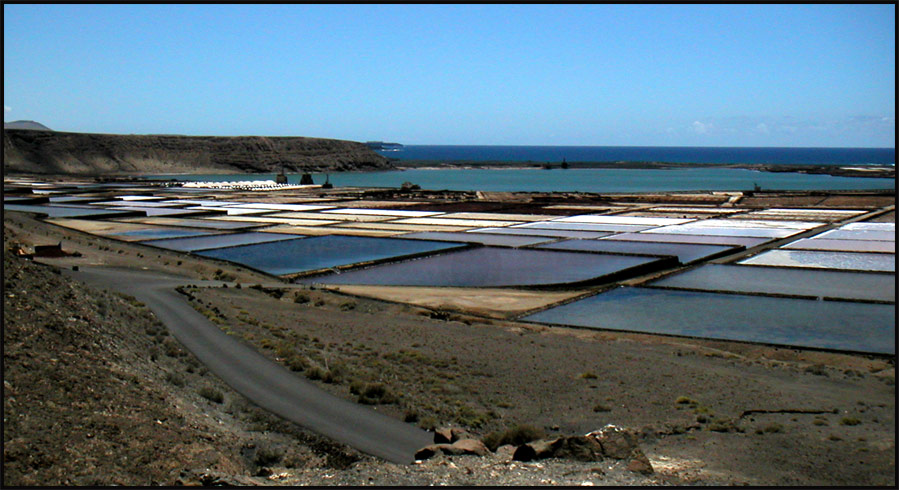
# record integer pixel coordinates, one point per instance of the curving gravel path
(264, 382)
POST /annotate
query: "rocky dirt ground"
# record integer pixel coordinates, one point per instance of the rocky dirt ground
(96, 393)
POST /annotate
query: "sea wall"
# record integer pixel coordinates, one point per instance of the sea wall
(59, 153)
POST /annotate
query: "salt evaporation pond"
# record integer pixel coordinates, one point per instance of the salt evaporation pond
(858, 261)
(197, 223)
(542, 232)
(859, 234)
(561, 225)
(494, 267)
(482, 238)
(217, 241)
(160, 233)
(715, 231)
(322, 252)
(67, 212)
(839, 325)
(843, 245)
(685, 253)
(814, 283)
(747, 242)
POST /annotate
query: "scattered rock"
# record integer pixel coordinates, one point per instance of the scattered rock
(580, 448)
(471, 446)
(460, 447)
(639, 463)
(449, 435)
(616, 442)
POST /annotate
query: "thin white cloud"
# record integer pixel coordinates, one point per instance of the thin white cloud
(700, 128)
(6, 109)
(762, 128)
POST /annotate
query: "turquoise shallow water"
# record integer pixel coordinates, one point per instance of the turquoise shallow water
(680, 154)
(577, 180)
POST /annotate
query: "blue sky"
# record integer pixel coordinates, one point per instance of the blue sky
(623, 75)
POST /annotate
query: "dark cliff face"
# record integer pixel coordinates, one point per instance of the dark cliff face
(57, 153)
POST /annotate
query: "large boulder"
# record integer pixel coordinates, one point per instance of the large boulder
(449, 435)
(616, 442)
(580, 448)
(471, 446)
(461, 447)
(639, 463)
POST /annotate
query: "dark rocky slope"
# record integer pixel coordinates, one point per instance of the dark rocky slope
(59, 153)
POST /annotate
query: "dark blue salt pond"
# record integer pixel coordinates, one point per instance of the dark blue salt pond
(218, 241)
(840, 325)
(685, 253)
(786, 281)
(322, 252)
(494, 267)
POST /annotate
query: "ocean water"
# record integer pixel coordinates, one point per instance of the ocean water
(534, 179)
(599, 180)
(673, 154)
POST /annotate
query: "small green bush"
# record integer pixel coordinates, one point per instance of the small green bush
(212, 394)
(588, 375)
(376, 393)
(849, 421)
(602, 408)
(428, 423)
(296, 363)
(266, 456)
(410, 416)
(174, 379)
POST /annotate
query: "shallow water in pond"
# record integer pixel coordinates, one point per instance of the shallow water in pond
(826, 260)
(308, 254)
(482, 238)
(493, 266)
(843, 245)
(217, 241)
(67, 212)
(787, 281)
(673, 238)
(162, 233)
(685, 253)
(862, 327)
